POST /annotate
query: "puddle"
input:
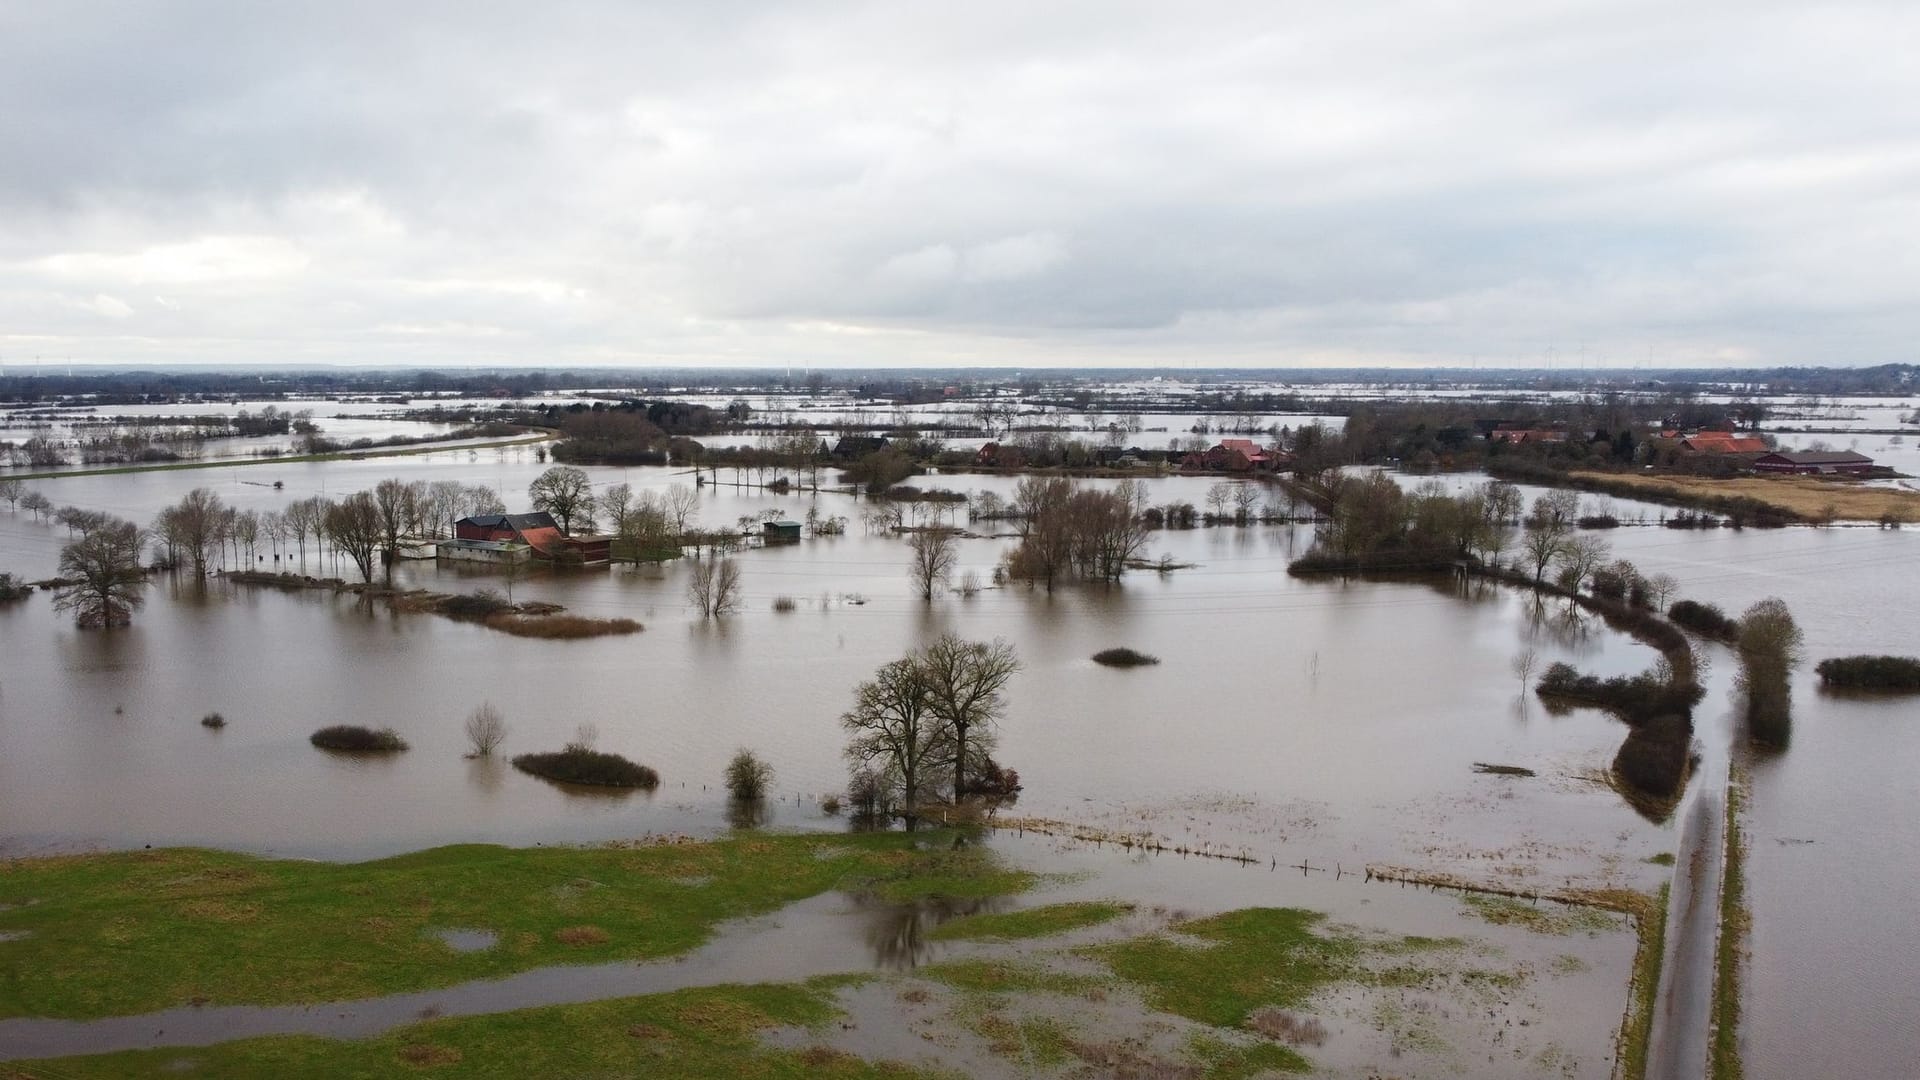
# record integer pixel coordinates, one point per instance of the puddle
(829, 934)
(14, 935)
(467, 940)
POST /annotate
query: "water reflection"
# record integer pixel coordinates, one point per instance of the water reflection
(749, 813)
(900, 934)
(486, 774)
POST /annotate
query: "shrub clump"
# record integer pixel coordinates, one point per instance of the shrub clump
(358, 740)
(12, 588)
(475, 605)
(1635, 699)
(1123, 657)
(748, 777)
(213, 720)
(580, 764)
(1704, 619)
(1887, 674)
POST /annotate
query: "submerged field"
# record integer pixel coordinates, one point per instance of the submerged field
(960, 973)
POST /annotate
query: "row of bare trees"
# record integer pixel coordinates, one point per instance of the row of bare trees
(201, 531)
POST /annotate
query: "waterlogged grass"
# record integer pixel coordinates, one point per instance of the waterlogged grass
(691, 1033)
(1636, 1028)
(131, 932)
(1547, 918)
(290, 459)
(1730, 949)
(1032, 923)
(1011, 977)
(1236, 963)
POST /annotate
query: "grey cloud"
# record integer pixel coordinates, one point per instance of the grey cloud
(878, 182)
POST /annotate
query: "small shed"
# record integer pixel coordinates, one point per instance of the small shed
(780, 532)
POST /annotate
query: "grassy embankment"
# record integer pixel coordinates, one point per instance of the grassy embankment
(122, 933)
(1805, 497)
(1731, 948)
(288, 459)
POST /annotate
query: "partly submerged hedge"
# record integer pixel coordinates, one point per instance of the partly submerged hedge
(358, 740)
(1124, 657)
(579, 765)
(1636, 699)
(1889, 674)
(1704, 619)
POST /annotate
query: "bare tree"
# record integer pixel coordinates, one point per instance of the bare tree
(12, 490)
(1524, 663)
(895, 733)
(567, 494)
(934, 554)
(681, 502)
(1660, 589)
(198, 527)
(398, 506)
(714, 586)
(486, 729)
(353, 524)
(102, 575)
(1245, 495)
(1544, 541)
(1579, 557)
(37, 504)
(963, 681)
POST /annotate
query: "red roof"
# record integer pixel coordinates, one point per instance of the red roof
(1724, 442)
(1246, 446)
(544, 541)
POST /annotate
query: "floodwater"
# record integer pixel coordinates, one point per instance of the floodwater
(1320, 724)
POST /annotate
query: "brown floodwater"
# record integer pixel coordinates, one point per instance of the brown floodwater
(1324, 724)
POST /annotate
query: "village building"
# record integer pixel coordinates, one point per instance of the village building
(1723, 442)
(1814, 463)
(850, 447)
(999, 456)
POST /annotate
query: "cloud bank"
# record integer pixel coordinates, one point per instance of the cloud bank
(828, 184)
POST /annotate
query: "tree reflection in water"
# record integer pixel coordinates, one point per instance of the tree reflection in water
(900, 934)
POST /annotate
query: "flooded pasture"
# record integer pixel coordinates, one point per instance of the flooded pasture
(1309, 728)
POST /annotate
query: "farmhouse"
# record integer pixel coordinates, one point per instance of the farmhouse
(1723, 442)
(1815, 462)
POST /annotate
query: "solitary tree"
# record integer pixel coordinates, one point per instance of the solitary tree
(37, 504)
(567, 494)
(102, 571)
(934, 555)
(964, 680)
(398, 504)
(486, 729)
(11, 490)
(714, 586)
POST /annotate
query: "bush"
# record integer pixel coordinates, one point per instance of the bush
(748, 777)
(1704, 619)
(559, 627)
(1123, 657)
(358, 740)
(867, 793)
(578, 764)
(475, 605)
(12, 588)
(1599, 521)
(213, 720)
(784, 603)
(1896, 674)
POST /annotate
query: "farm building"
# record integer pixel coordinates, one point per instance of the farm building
(780, 532)
(484, 537)
(1237, 455)
(1814, 462)
(1723, 442)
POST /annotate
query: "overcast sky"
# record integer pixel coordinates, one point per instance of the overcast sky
(837, 184)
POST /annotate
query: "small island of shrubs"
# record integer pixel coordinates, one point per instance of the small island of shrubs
(580, 764)
(1880, 674)
(1123, 657)
(353, 739)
